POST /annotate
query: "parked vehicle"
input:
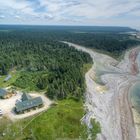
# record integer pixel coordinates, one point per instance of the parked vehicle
(1, 112)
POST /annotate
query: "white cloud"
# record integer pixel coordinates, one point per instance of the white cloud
(2, 16)
(17, 17)
(72, 11)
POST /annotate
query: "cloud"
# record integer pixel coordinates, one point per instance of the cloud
(71, 11)
(2, 16)
(17, 17)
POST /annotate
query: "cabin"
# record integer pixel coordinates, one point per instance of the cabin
(28, 103)
(4, 94)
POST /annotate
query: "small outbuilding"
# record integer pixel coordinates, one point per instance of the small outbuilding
(4, 94)
(28, 103)
(7, 78)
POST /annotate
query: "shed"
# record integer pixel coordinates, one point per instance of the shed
(4, 94)
(7, 78)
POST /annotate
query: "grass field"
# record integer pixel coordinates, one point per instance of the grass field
(60, 121)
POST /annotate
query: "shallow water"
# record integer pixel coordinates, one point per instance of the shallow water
(138, 60)
(135, 96)
(135, 90)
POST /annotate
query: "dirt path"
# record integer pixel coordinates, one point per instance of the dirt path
(111, 107)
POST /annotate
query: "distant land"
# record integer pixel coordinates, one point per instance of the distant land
(70, 28)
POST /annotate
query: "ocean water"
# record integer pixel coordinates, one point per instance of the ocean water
(138, 60)
(135, 96)
(135, 90)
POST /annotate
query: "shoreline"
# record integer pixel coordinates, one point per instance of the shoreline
(136, 115)
(137, 123)
(111, 108)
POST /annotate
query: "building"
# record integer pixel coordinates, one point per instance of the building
(4, 94)
(25, 97)
(28, 103)
(7, 78)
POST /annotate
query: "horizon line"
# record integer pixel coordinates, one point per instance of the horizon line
(67, 25)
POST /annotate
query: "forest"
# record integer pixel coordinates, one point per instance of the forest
(110, 40)
(44, 64)
(47, 64)
(111, 43)
(38, 61)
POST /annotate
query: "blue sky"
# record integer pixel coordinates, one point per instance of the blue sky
(71, 12)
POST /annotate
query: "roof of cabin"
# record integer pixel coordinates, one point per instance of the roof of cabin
(27, 104)
(25, 96)
(3, 92)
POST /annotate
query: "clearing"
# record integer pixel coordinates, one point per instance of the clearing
(7, 106)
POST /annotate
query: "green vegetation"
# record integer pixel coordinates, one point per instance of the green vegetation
(95, 129)
(14, 74)
(49, 65)
(32, 81)
(37, 60)
(113, 44)
(60, 121)
(44, 64)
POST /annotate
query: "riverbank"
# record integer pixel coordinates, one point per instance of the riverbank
(111, 107)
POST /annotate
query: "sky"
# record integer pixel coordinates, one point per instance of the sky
(71, 12)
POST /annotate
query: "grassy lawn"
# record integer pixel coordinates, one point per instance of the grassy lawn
(60, 121)
(86, 67)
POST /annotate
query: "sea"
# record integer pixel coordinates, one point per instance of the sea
(135, 91)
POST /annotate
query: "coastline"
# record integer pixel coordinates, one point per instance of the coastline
(137, 123)
(112, 107)
(136, 115)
